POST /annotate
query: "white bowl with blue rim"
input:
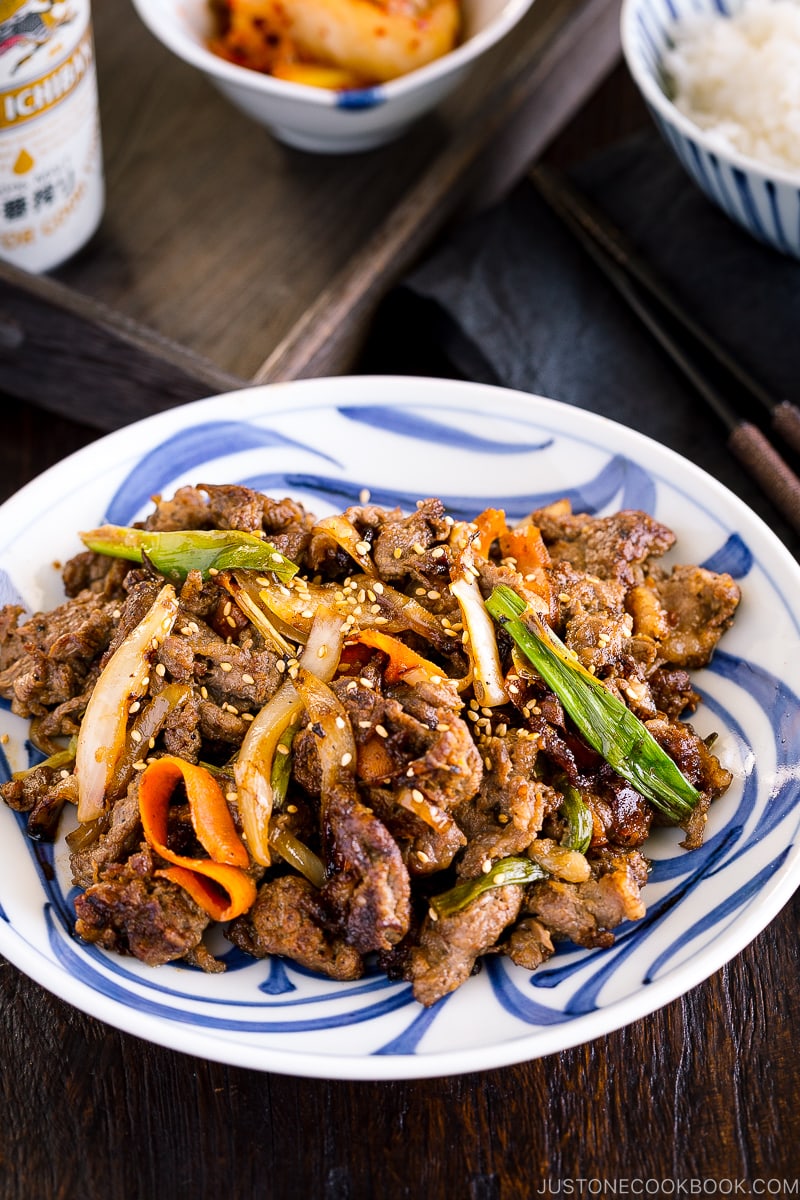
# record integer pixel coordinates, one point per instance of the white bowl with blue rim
(763, 199)
(320, 119)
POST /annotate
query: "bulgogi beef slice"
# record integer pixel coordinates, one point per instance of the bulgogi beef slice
(46, 660)
(367, 895)
(585, 913)
(96, 573)
(613, 547)
(529, 944)
(131, 910)
(402, 544)
(507, 812)
(286, 919)
(699, 605)
(188, 508)
(448, 948)
(121, 836)
(700, 766)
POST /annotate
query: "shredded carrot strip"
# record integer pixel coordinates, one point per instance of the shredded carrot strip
(525, 544)
(491, 525)
(223, 892)
(215, 831)
(402, 659)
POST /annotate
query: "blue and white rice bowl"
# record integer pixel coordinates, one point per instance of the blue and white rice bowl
(763, 199)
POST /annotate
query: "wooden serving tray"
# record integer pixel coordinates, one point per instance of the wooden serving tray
(225, 258)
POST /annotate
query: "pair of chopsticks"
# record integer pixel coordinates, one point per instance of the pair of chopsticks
(740, 402)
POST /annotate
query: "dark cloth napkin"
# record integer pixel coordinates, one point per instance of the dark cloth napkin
(510, 298)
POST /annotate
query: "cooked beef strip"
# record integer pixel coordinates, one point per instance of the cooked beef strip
(612, 548)
(122, 833)
(132, 911)
(529, 944)
(507, 812)
(585, 913)
(448, 948)
(699, 606)
(368, 893)
(287, 919)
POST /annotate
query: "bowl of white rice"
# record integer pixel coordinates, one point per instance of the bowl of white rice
(722, 81)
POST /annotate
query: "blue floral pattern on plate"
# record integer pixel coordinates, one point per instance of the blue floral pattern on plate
(325, 442)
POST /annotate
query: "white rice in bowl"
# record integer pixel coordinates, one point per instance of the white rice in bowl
(738, 78)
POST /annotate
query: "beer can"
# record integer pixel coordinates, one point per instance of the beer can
(51, 164)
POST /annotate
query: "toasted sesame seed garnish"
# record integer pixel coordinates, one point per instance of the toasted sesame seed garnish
(281, 749)
(204, 692)
(146, 682)
(381, 731)
(364, 495)
(248, 717)
(362, 547)
(322, 650)
(423, 857)
(213, 571)
(247, 678)
(397, 552)
(140, 765)
(347, 758)
(367, 683)
(116, 614)
(291, 808)
(432, 913)
(161, 670)
(226, 666)
(232, 797)
(280, 666)
(442, 728)
(134, 708)
(486, 866)
(437, 552)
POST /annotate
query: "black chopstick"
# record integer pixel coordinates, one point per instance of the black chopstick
(710, 369)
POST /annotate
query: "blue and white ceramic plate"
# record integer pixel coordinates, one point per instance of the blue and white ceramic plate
(323, 442)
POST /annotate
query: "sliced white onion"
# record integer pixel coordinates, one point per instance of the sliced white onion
(253, 768)
(102, 732)
(487, 672)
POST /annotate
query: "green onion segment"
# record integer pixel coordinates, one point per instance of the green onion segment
(580, 826)
(505, 870)
(177, 552)
(605, 722)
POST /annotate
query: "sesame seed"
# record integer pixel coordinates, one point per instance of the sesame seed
(248, 717)
(291, 808)
(347, 758)
(367, 683)
(213, 571)
(204, 692)
(140, 765)
(161, 670)
(281, 749)
(246, 678)
(362, 547)
(276, 557)
(340, 722)
(442, 728)
(417, 795)
(419, 548)
(364, 495)
(434, 595)
(322, 650)
(232, 797)
(134, 708)
(381, 731)
(280, 666)
(487, 762)
(432, 913)
(146, 682)
(227, 608)
(226, 666)
(397, 552)
(423, 857)
(378, 587)
(63, 774)
(361, 724)
(486, 866)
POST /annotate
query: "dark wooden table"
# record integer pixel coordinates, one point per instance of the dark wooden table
(700, 1098)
